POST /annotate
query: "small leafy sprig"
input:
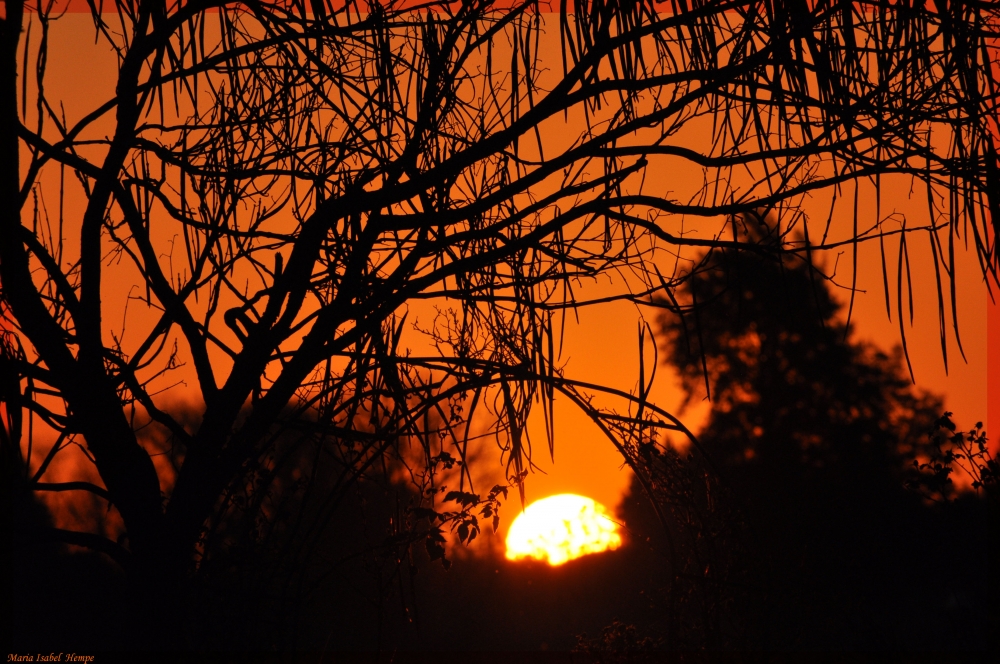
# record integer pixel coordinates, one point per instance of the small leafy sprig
(464, 521)
(951, 449)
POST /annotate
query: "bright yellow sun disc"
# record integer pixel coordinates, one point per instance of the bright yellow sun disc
(560, 528)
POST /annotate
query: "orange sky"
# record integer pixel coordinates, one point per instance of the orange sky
(602, 348)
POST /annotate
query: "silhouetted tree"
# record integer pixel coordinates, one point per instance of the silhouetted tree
(815, 433)
(286, 182)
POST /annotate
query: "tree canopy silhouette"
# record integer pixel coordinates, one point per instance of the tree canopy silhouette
(764, 335)
(284, 184)
(816, 435)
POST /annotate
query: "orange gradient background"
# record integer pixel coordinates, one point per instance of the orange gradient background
(602, 347)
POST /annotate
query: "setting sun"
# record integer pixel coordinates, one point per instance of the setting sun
(560, 528)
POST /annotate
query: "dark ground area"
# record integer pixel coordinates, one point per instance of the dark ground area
(932, 598)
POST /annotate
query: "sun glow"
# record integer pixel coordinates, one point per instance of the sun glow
(560, 528)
